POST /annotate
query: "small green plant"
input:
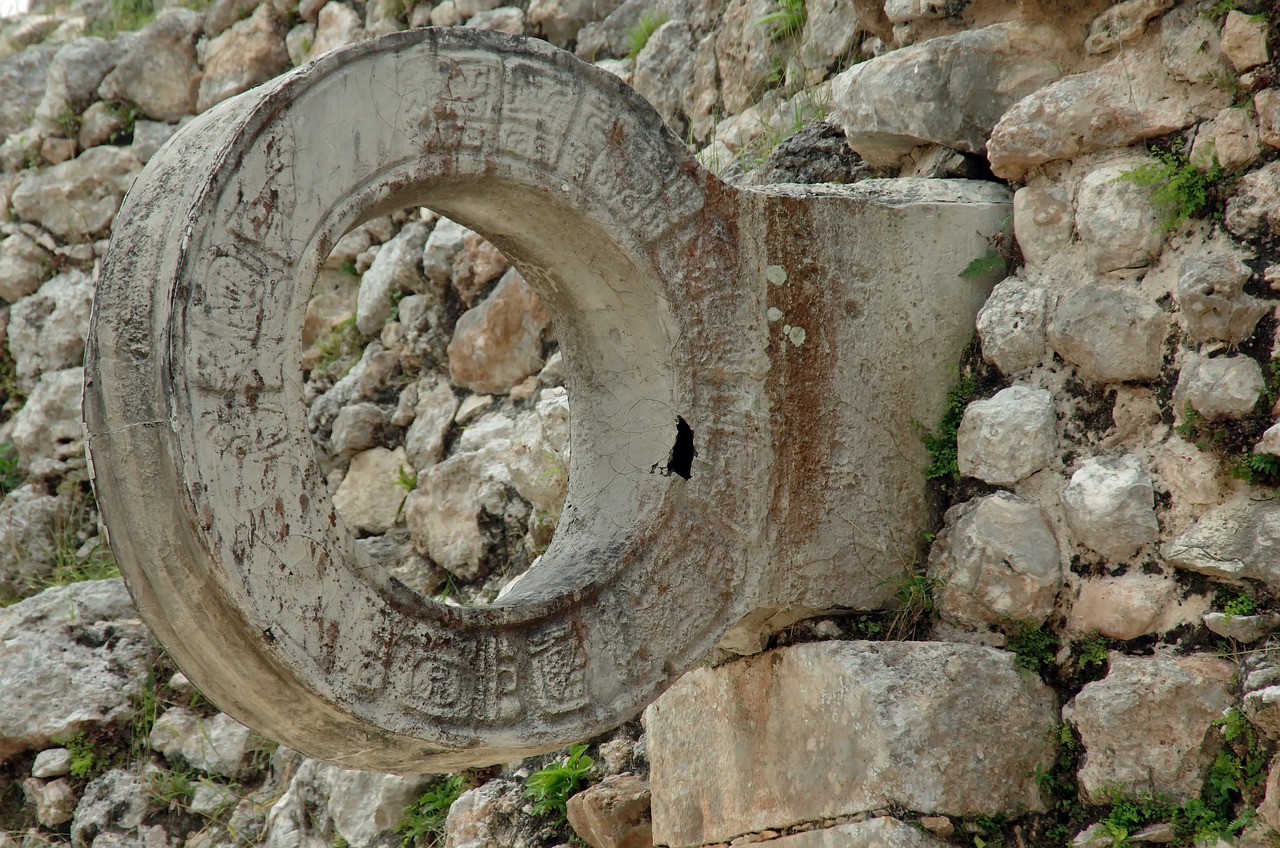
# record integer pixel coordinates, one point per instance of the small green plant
(11, 476)
(173, 787)
(68, 122)
(1034, 646)
(1234, 602)
(341, 345)
(914, 597)
(423, 822)
(1256, 467)
(1219, 10)
(551, 787)
(339, 841)
(1129, 813)
(988, 264)
(1181, 190)
(1092, 652)
(123, 16)
(785, 21)
(941, 443)
(86, 760)
(1190, 426)
(128, 113)
(406, 479)
(639, 34)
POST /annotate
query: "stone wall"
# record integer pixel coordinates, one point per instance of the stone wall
(1083, 650)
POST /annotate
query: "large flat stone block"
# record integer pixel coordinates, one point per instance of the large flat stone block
(829, 729)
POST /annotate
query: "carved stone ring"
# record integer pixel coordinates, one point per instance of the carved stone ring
(795, 331)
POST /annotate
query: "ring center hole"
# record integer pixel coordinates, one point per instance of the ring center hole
(437, 405)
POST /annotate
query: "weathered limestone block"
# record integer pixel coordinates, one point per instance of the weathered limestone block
(115, 805)
(1110, 506)
(78, 199)
(1211, 296)
(74, 76)
(1011, 325)
(1123, 22)
(1218, 387)
(441, 249)
(997, 562)
(74, 656)
(508, 19)
(498, 342)
(23, 264)
(27, 518)
(613, 813)
(1061, 121)
(1148, 726)
(217, 745)
(1238, 539)
(664, 71)
(1109, 334)
(539, 458)
(54, 800)
(47, 329)
(1190, 46)
(23, 78)
(477, 817)
(1043, 222)
(1118, 221)
(47, 431)
(358, 427)
(1008, 436)
(1266, 104)
(1123, 607)
(835, 728)
(51, 762)
(397, 267)
(560, 20)
(745, 55)
(249, 53)
(446, 511)
(950, 90)
(1242, 628)
(879, 832)
(1244, 40)
(370, 496)
(1231, 141)
(159, 74)
(476, 265)
(433, 415)
(697, 421)
(1254, 210)
(366, 805)
(336, 25)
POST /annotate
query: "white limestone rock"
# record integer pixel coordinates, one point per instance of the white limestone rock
(1043, 222)
(1266, 105)
(47, 329)
(337, 25)
(1110, 506)
(1190, 474)
(1122, 22)
(508, 19)
(1190, 46)
(828, 729)
(497, 343)
(51, 762)
(1009, 436)
(54, 800)
(160, 73)
(1109, 334)
(370, 496)
(1218, 388)
(613, 812)
(1124, 607)
(1211, 296)
(1011, 325)
(433, 416)
(73, 657)
(111, 812)
(365, 806)
(1254, 210)
(249, 53)
(997, 562)
(1060, 120)
(1118, 221)
(23, 78)
(878, 832)
(397, 267)
(47, 431)
(560, 20)
(27, 519)
(75, 73)
(444, 512)
(358, 427)
(149, 137)
(23, 265)
(1242, 628)
(950, 90)
(745, 55)
(485, 815)
(78, 199)
(664, 71)
(440, 251)
(539, 457)
(1240, 539)
(99, 124)
(1231, 140)
(1244, 40)
(1148, 726)
(216, 745)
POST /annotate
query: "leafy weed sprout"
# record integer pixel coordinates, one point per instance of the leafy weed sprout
(1034, 646)
(941, 443)
(551, 787)
(86, 760)
(785, 21)
(639, 34)
(123, 16)
(1181, 191)
(423, 822)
